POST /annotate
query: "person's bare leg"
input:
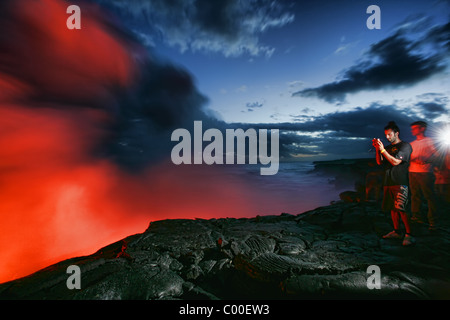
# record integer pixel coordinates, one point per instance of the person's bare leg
(405, 220)
(395, 219)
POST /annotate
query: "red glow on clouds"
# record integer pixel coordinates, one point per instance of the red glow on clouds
(56, 200)
(77, 64)
(51, 191)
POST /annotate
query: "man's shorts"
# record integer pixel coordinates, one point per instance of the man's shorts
(395, 198)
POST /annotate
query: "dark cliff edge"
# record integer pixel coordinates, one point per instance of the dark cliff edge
(321, 254)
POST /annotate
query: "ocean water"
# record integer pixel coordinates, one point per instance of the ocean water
(296, 188)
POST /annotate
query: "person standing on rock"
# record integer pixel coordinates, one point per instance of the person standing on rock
(395, 158)
(421, 176)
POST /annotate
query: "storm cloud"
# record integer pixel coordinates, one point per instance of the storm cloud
(232, 28)
(394, 62)
(341, 133)
(433, 110)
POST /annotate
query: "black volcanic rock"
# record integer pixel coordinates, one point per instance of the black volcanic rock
(323, 253)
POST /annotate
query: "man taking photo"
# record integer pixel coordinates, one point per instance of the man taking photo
(395, 159)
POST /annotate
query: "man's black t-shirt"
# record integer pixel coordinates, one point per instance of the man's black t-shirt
(397, 175)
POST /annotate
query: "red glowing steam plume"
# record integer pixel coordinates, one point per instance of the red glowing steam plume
(56, 199)
(46, 177)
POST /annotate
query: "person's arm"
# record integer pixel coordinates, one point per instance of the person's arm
(392, 160)
(382, 153)
(435, 157)
(378, 157)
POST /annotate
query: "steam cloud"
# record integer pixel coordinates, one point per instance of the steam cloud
(85, 123)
